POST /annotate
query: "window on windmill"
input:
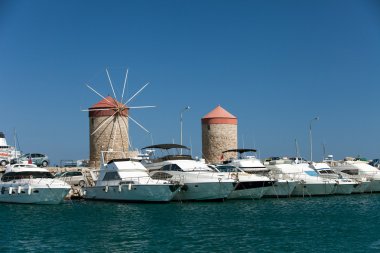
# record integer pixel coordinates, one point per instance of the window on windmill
(208, 127)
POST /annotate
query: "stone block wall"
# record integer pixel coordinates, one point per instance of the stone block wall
(217, 138)
(112, 135)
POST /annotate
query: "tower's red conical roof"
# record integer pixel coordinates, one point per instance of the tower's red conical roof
(219, 116)
(107, 103)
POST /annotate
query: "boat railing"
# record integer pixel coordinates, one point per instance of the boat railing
(298, 176)
(32, 180)
(148, 180)
(367, 175)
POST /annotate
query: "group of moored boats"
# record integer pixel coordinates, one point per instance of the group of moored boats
(29, 184)
(179, 177)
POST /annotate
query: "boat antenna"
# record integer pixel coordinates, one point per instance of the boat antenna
(191, 147)
(297, 150)
(16, 143)
(151, 138)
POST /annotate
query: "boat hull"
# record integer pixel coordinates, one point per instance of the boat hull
(305, 189)
(132, 193)
(204, 191)
(374, 186)
(250, 189)
(33, 195)
(361, 187)
(281, 189)
(343, 189)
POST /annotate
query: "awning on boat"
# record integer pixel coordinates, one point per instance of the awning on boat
(240, 150)
(166, 146)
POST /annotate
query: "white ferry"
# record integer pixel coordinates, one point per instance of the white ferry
(6, 152)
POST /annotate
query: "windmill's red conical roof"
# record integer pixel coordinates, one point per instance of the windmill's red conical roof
(219, 116)
(107, 103)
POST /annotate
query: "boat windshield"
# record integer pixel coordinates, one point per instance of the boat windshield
(326, 171)
(171, 167)
(254, 170)
(311, 173)
(351, 172)
(227, 168)
(25, 175)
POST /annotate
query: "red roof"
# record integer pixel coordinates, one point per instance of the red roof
(219, 116)
(107, 103)
(219, 112)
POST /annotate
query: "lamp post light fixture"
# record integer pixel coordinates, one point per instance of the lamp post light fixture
(181, 120)
(311, 138)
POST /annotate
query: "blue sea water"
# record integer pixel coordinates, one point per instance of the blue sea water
(322, 224)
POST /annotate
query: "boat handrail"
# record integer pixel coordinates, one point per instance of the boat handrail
(32, 180)
(171, 157)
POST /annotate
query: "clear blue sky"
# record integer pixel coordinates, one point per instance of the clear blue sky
(273, 64)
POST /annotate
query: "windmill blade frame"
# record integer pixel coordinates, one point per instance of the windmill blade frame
(138, 124)
(125, 83)
(109, 79)
(141, 107)
(129, 100)
(126, 126)
(110, 117)
(97, 109)
(110, 103)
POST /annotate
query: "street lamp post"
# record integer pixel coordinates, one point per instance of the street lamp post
(311, 138)
(181, 120)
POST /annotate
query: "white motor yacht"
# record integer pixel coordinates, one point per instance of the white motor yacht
(29, 184)
(281, 187)
(200, 183)
(344, 185)
(310, 184)
(249, 186)
(127, 180)
(361, 171)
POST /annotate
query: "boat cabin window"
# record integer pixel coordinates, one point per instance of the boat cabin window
(171, 167)
(311, 173)
(25, 175)
(112, 175)
(351, 172)
(227, 168)
(161, 175)
(255, 170)
(325, 171)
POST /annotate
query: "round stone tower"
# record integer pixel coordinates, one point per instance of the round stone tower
(219, 133)
(108, 129)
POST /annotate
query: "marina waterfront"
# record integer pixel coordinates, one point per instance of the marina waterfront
(319, 224)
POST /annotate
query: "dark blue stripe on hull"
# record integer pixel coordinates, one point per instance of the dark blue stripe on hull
(253, 184)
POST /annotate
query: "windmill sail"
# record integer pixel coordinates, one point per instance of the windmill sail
(109, 121)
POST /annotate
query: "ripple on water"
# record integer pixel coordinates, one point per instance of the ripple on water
(336, 223)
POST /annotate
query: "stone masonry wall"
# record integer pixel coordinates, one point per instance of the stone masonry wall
(217, 138)
(112, 135)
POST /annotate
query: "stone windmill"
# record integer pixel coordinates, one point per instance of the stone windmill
(219, 133)
(109, 123)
